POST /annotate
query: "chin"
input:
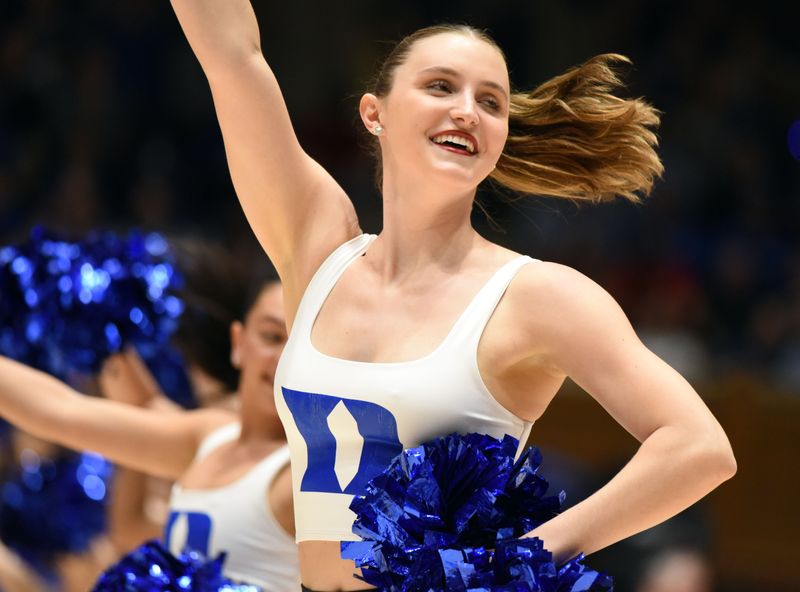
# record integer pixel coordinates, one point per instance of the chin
(457, 178)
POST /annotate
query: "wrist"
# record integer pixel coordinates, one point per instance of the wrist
(562, 549)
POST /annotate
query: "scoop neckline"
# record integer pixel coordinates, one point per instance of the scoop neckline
(221, 488)
(423, 358)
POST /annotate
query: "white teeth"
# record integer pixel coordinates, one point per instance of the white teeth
(455, 140)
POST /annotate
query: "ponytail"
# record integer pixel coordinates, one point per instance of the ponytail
(571, 137)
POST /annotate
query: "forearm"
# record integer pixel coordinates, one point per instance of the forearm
(220, 32)
(129, 524)
(161, 444)
(34, 401)
(671, 470)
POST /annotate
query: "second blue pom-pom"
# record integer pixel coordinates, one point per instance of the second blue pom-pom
(67, 305)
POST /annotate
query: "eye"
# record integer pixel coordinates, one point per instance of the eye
(270, 337)
(491, 103)
(440, 86)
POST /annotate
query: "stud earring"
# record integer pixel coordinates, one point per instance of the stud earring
(377, 130)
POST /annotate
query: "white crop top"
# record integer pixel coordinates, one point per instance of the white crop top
(235, 518)
(346, 420)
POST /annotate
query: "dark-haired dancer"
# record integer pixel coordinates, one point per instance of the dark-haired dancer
(232, 489)
(428, 328)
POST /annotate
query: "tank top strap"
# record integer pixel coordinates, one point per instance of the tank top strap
(467, 331)
(216, 438)
(271, 465)
(325, 278)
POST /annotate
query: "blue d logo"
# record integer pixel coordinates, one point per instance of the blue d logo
(328, 422)
(191, 530)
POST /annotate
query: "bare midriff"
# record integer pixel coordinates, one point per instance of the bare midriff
(323, 569)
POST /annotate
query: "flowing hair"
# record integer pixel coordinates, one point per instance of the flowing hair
(571, 137)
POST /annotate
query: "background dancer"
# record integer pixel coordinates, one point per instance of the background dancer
(232, 492)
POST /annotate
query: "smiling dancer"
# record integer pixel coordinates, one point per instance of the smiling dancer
(428, 328)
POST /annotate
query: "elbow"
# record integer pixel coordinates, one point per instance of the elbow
(727, 463)
(719, 460)
(705, 453)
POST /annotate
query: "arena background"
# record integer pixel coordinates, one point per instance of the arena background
(106, 122)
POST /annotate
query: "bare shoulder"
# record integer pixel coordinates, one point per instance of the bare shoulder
(558, 289)
(201, 422)
(557, 307)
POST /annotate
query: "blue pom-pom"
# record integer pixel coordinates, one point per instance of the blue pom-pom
(447, 516)
(66, 306)
(169, 370)
(152, 568)
(54, 506)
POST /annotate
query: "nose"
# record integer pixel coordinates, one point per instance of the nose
(465, 111)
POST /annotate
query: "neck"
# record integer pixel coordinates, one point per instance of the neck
(258, 418)
(422, 227)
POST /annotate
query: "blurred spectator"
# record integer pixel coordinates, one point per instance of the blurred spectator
(677, 570)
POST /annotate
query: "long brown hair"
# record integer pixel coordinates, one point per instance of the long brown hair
(570, 137)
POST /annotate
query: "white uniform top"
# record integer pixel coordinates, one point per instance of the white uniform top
(236, 519)
(346, 420)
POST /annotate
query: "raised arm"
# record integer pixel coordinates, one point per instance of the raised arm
(161, 444)
(296, 209)
(581, 332)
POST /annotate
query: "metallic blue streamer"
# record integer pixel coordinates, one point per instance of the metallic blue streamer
(447, 516)
(50, 507)
(152, 568)
(66, 306)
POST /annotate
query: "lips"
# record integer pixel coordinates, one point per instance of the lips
(456, 141)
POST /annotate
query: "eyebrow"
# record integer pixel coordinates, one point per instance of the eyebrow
(455, 73)
(270, 318)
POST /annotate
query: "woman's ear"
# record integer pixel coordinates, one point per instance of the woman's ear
(369, 109)
(236, 344)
